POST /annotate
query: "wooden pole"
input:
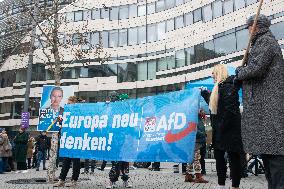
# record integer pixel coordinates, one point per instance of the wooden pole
(252, 32)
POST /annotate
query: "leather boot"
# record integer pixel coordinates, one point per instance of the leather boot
(199, 178)
(188, 178)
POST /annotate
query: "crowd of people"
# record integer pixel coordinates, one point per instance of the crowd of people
(258, 130)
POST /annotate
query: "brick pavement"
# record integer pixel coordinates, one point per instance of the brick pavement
(140, 179)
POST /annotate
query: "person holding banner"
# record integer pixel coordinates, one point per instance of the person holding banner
(263, 95)
(67, 162)
(194, 168)
(226, 124)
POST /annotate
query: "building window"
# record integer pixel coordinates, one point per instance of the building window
(239, 4)
(189, 54)
(170, 25)
(179, 2)
(161, 30)
(225, 44)
(207, 13)
(113, 38)
(162, 64)
(87, 14)
(170, 4)
(132, 36)
(96, 14)
(86, 41)
(151, 8)
(160, 5)
(105, 39)
(122, 37)
(179, 22)
(132, 10)
(151, 33)
(208, 52)
(105, 13)
(249, 2)
(180, 58)
(123, 12)
(198, 52)
(83, 72)
(142, 71)
(217, 9)
(188, 19)
(142, 34)
(197, 15)
(152, 69)
(69, 17)
(242, 39)
(277, 30)
(171, 62)
(228, 6)
(76, 39)
(94, 39)
(114, 13)
(126, 72)
(142, 10)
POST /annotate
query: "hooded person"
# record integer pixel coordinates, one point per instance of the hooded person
(263, 101)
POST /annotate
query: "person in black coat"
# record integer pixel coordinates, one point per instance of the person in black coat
(226, 124)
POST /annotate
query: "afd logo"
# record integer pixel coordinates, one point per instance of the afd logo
(175, 121)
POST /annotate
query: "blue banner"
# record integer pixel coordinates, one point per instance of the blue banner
(158, 128)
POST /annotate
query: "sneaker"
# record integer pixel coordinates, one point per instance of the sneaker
(17, 171)
(126, 184)
(60, 183)
(37, 169)
(73, 183)
(44, 169)
(25, 171)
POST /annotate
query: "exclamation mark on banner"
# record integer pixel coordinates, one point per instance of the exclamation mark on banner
(109, 141)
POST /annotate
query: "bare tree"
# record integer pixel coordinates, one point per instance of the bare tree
(48, 36)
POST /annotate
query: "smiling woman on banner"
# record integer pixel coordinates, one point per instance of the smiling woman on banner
(226, 124)
(56, 96)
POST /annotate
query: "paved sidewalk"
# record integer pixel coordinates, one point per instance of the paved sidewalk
(139, 178)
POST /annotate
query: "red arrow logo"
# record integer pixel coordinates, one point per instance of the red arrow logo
(170, 137)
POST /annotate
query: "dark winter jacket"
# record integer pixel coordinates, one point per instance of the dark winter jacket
(226, 124)
(263, 96)
(201, 134)
(42, 143)
(21, 147)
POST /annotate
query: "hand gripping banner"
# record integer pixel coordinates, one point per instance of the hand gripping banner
(158, 128)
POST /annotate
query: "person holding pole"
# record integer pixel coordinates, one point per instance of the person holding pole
(226, 124)
(262, 76)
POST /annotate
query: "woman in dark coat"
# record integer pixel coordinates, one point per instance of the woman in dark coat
(226, 124)
(21, 146)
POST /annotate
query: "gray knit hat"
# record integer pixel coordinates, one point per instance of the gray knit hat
(262, 21)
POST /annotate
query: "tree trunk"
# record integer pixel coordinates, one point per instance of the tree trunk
(57, 77)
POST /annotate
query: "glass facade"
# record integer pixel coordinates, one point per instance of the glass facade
(139, 66)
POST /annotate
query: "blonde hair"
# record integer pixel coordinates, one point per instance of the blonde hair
(221, 74)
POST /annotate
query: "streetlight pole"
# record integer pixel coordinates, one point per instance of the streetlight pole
(30, 60)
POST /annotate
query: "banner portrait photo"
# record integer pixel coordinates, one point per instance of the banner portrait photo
(52, 105)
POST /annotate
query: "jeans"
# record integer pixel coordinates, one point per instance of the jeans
(41, 156)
